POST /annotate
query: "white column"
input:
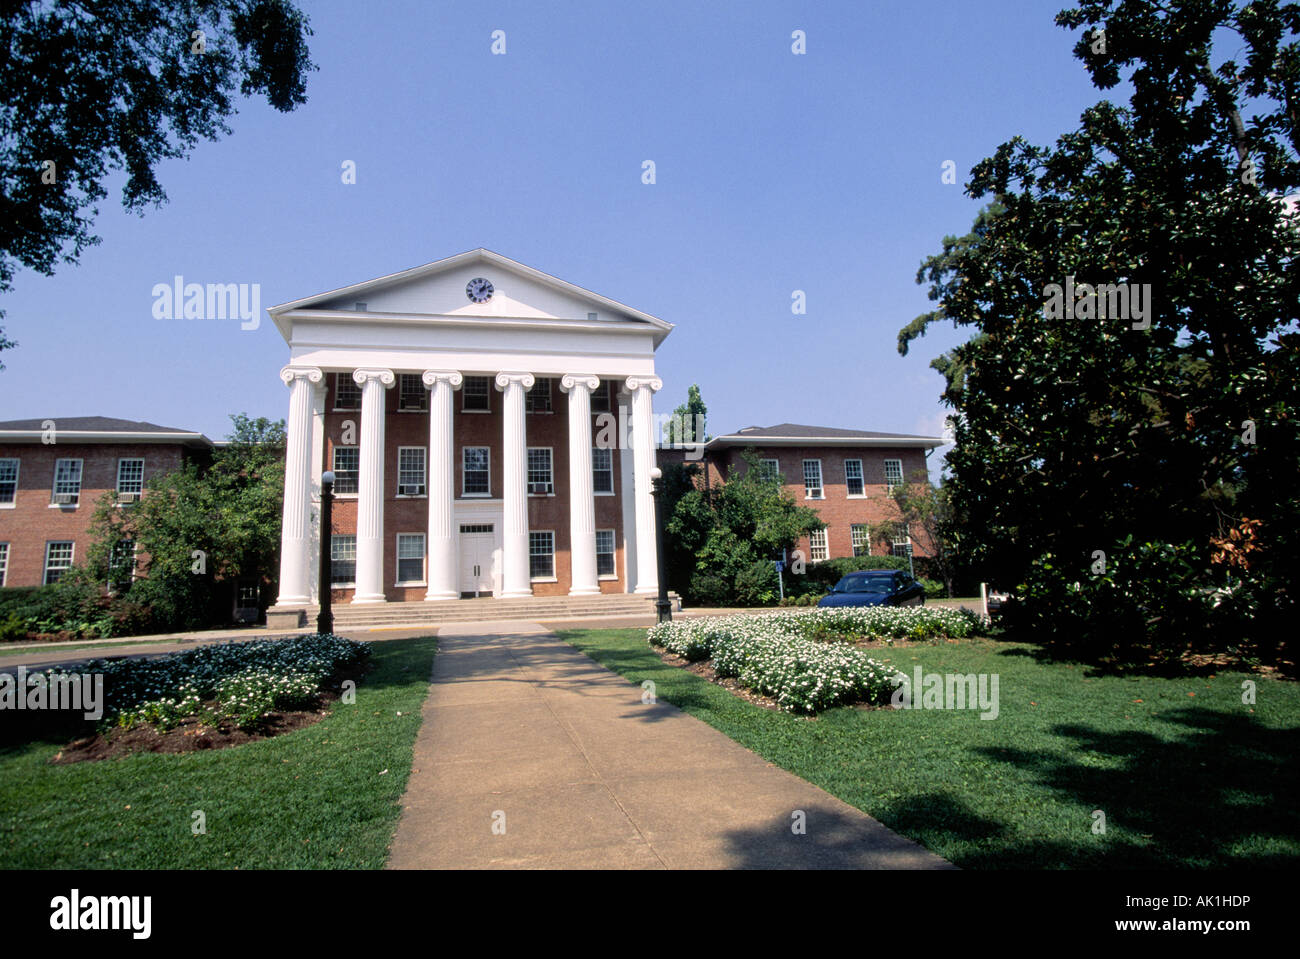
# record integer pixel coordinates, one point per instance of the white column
(295, 530)
(443, 560)
(370, 486)
(514, 464)
(582, 497)
(317, 459)
(642, 389)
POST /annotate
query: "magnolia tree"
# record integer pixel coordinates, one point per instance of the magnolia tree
(925, 520)
(1126, 405)
(93, 94)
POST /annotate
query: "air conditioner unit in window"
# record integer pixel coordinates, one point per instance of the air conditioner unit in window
(128, 497)
(410, 489)
(65, 499)
(540, 488)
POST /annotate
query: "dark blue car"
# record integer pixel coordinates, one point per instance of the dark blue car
(875, 587)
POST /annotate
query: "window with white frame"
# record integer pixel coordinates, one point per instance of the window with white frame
(347, 468)
(602, 470)
(8, 481)
(853, 479)
(540, 477)
(67, 481)
(410, 558)
(411, 395)
(130, 476)
(818, 548)
(893, 472)
(605, 552)
(769, 469)
(58, 559)
(347, 392)
(538, 399)
(474, 462)
(410, 471)
(600, 397)
(812, 479)
(121, 565)
(476, 394)
(4, 563)
(902, 543)
(861, 539)
(343, 559)
(541, 554)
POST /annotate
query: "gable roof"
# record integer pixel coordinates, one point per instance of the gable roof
(279, 312)
(99, 429)
(797, 434)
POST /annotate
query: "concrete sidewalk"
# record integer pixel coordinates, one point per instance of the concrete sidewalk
(522, 729)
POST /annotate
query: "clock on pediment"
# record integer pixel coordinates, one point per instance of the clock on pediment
(479, 290)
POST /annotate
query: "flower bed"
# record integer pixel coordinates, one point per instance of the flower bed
(239, 682)
(793, 656)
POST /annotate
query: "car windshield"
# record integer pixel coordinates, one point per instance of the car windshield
(864, 584)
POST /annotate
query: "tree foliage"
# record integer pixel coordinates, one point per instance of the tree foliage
(1098, 466)
(725, 537)
(91, 88)
(200, 526)
(925, 515)
(688, 420)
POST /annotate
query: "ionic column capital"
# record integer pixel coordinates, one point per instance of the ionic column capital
(569, 380)
(309, 373)
(651, 383)
(432, 378)
(386, 378)
(526, 380)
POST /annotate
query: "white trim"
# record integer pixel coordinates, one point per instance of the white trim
(18, 468)
(527, 481)
(424, 559)
(821, 479)
(463, 494)
(554, 577)
(399, 494)
(613, 536)
(465, 259)
(758, 442)
(104, 436)
(862, 477)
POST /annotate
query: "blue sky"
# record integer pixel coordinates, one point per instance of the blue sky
(775, 173)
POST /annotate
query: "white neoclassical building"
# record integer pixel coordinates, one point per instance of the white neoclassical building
(490, 430)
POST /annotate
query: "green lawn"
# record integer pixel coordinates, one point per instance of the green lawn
(326, 796)
(1188, 777)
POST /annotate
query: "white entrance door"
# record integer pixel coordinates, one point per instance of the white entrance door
(476, 544)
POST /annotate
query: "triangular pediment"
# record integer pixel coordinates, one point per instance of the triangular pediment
(441, 289)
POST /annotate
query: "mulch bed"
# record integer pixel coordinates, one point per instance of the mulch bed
(190, 736)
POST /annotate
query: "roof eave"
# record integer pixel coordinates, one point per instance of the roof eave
(909, 442)
(106, 436)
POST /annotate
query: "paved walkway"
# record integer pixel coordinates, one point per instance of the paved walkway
(522, 728)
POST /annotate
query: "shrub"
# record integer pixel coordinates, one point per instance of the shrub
(756, 584)
(828, 572)
(795, 656)
(246, 680)
(933, 588)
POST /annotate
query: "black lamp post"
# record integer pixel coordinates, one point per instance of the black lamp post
(325, 621)
(663, 608)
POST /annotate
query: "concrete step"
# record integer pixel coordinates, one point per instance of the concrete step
(470, 610)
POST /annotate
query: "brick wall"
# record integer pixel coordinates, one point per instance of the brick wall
(411, 514)
(837, 509)
(32, 522)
